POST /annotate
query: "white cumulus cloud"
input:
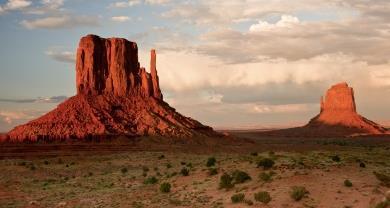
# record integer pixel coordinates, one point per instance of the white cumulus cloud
(120, 18)
(286, 21)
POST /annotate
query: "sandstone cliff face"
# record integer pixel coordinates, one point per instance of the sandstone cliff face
(338, 109)
(115, 96)
(110, 66)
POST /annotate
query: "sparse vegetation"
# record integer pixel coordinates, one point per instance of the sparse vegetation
(211, 161)
(362, 165)
(184, 172)
(263, 197)
(165, 187)
(335, 158)
(151, 180)
(240, 176)
(347, 183)
(213, 171)
(238, 198)
(266, 163)
(383, 204)
(226, 181)
(265, 177)
(298, 192)
(124, 170)
(254, 154)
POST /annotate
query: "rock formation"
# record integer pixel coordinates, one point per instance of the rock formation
(338, 117)
(115, 96)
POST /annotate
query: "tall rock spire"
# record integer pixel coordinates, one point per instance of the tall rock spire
(153, 71)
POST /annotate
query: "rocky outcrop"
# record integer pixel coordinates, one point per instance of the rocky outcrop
(337, 117)
(115, 96)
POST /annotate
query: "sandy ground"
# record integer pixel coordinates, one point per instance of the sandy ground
(113, 174)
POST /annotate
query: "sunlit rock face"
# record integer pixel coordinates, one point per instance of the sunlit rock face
(115, 96)
(338, 109)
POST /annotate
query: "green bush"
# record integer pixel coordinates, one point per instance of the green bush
(165, 187)
(213, 171)
(240, 176)
(124, 170)
(226, 181)
(266, 163)
(383, 204)
(347, 183)
(185, 172)
(151, 180)
(238, 198)
(211, 162)
(263, 197)
(169, 165)
(298, 192)
(266, 177)
(336, 158)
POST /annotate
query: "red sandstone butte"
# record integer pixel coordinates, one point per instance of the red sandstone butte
(338, 117)
(115, 96)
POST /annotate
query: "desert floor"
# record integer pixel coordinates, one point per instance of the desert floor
(120, 175)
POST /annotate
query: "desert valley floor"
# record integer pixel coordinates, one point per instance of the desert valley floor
(127, 173)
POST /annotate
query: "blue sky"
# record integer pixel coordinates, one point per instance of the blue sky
(251, 63)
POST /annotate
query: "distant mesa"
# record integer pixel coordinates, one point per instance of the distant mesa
(115, 96)
(338, 117)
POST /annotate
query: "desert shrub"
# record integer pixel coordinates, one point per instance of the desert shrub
(362, 165)
(169, 165)
(240, 176)
(182, 163)
(151, 180)
(265, 176)
(144, 174)
(185, 172)
(385, 179)
(22, 163)
(189, 165)
(211, 162)
(298, 192)
(266, 163)
(161, 157)
(46, 162)
(32, 167)
(124, 170)
(145, 169)
(347, 183)
(263, 197)
(335, 158)
(226, 181)
(165, 187)
(248, 202)
(254, 153)
(383, 204)
(238, 198)
(213, 171)
(90, 174)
